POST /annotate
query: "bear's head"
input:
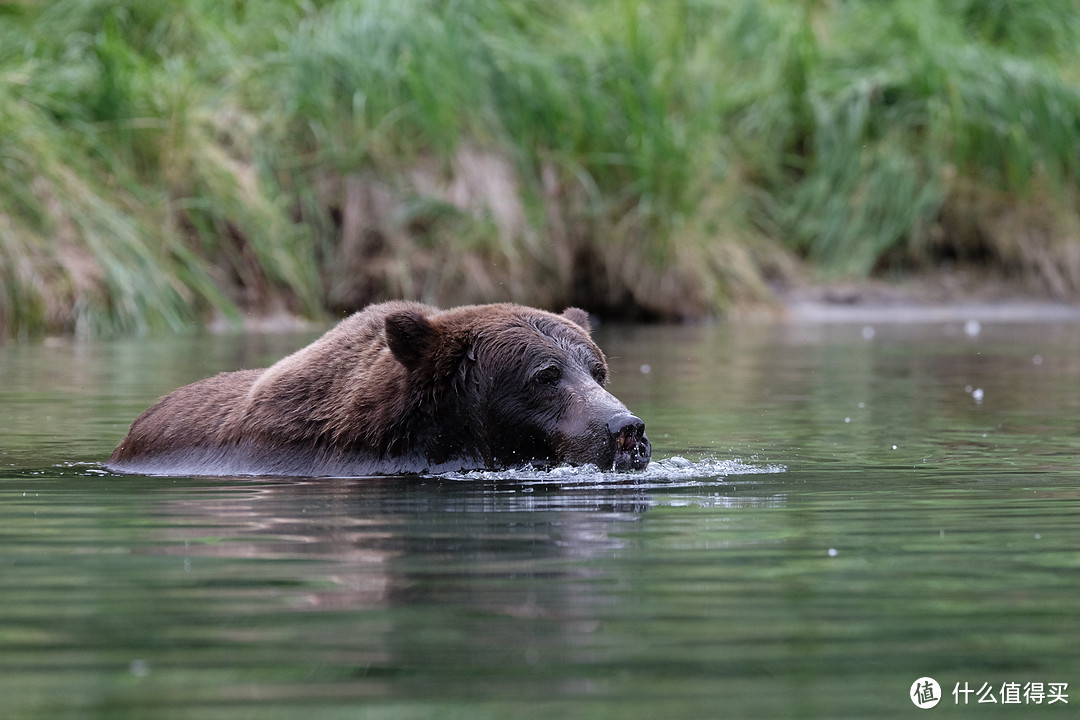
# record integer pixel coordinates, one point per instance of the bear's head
(513, 386)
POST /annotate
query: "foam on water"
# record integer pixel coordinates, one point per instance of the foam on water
(665, 473)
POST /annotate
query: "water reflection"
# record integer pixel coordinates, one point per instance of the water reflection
(380, 542)
(373, 530)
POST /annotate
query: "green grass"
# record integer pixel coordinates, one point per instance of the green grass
(165, 163)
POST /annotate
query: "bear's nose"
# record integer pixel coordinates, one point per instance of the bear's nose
(626, 425)
(632, 448)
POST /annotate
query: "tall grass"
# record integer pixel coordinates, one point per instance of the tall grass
(899, 114)
(129, 194)
(166, 162)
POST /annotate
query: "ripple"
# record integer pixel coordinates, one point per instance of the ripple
(672, 472)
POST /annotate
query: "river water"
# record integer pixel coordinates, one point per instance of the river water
(834, 511)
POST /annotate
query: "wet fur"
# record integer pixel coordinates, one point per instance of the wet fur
(397, 388)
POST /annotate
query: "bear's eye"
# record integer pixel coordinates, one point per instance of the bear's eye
(549, 375)
(599, 373)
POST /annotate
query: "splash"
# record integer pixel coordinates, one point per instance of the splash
(665, 473)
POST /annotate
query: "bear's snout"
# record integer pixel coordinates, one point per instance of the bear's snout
(632, 449)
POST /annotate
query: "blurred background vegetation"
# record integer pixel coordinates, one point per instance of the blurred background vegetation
(167, 163)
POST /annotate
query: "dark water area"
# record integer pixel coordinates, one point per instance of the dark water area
(834, 511)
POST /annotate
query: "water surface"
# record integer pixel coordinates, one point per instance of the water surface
(835, 511)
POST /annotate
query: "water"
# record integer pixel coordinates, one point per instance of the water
(835, 511)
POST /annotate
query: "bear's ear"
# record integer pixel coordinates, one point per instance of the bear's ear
(579, 317)
(411, 337)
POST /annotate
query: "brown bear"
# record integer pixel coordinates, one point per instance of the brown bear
(397, 388)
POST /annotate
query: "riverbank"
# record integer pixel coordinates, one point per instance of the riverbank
(167, 165)
(945, 296)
